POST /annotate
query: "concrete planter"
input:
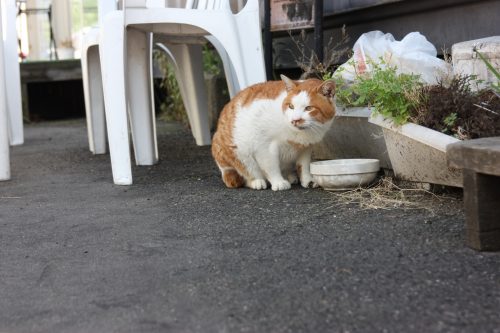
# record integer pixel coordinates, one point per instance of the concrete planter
(352, 136)
(65, 53)
(418, 153)
(217, 95)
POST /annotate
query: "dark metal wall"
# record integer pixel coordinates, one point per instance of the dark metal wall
(339, 6)
(443, 22)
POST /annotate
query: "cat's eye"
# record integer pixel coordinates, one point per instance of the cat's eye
(309, 108)
(290, 106)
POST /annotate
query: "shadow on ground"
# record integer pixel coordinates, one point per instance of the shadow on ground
(177, 252)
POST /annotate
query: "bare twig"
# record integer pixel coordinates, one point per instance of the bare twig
(308, 61)
(485, 108)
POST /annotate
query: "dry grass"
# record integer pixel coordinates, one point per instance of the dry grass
(386, 195)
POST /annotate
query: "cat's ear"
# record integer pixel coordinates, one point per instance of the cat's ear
(289, 84)
(327, 88)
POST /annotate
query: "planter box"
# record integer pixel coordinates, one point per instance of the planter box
(352, 136)
(467, 62)
(217, 95)
(418, 153)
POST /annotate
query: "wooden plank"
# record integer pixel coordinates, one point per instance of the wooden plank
(484, 241)
(482, 216)
(481, 201)
(479, 155)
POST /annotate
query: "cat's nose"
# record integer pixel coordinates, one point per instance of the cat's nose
(297, 122)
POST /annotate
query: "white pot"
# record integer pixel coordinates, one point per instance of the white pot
(418, 153)
(352, 136)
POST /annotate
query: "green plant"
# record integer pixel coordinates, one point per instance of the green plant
(171, 104)
(327, 76)
(391, 94)
(211, 61)
(171, 107)
(450, 121)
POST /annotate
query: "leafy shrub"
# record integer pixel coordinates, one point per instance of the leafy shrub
(172, 106)
(391, 94)
(458, 110)
(212, 63)
(453, 108)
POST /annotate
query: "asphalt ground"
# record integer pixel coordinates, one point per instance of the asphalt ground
(178, 252)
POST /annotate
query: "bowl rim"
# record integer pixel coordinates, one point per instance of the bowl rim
(357, 166)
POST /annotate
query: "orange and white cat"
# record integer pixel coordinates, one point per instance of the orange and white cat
(265, 132)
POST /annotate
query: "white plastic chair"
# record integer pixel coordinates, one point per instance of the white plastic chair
(192, 95)
(4, 137)
(12, 73)
(125, 59)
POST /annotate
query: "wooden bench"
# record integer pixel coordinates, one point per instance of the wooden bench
(480, 161)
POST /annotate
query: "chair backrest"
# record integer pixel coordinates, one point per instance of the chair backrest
(104, 7)
(188, 4)
(157, 3)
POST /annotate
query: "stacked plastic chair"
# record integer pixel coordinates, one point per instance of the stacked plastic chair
(4, 127)
(125, 52)
(186, 66)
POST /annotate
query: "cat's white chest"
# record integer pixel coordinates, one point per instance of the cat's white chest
(262, 123)
(259, 124)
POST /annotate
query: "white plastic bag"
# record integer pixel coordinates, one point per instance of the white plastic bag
(414, 54)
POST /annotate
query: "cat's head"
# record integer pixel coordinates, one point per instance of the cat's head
(309, 103)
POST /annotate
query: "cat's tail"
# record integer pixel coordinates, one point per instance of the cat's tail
(222, 156)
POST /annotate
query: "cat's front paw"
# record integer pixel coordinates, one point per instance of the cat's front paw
(306, 181)
(257, 184)
(281, 185)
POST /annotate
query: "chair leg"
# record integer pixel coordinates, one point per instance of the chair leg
(140, 94)
(94, 100)
(4, 142)
(232, 46)
(112, 52)
(12, 73)
(189, 75)
(4, 136)
(232, 82)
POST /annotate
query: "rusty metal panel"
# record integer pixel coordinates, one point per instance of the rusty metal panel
(291, 14)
